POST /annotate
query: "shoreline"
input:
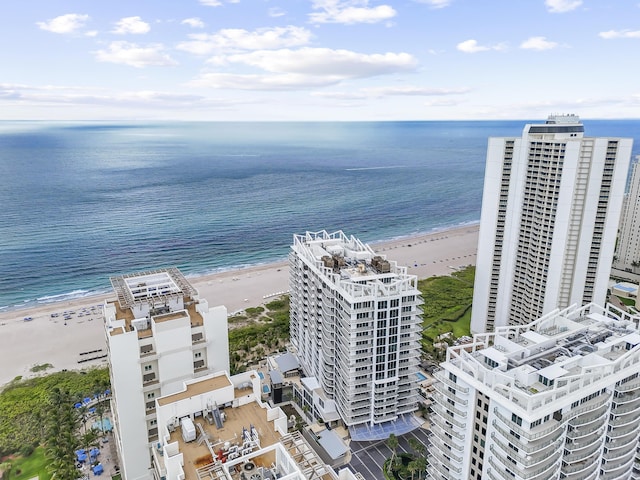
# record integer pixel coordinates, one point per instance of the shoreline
(46, 338)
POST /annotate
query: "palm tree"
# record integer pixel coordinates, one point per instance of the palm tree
(413, 468)
(392, 443)
(417, 446)
(421, 463)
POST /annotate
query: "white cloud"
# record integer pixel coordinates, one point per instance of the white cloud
(91, 33)
(611, 34)
(414, 91)
(349, 12)
(234, 39)
(262, 82)
(133, 25)
(436, 3)
(378, 92)
(326, 62)
(135, 55)
(211, 3)
(80, 96)
(275, 12)
(304, 68)
(68, 23)
(538, 43)
(194, 22)
(471, 46)
(561, 6)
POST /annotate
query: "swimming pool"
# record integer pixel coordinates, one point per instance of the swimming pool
(266, 389)
(261, 375)
(421, 376)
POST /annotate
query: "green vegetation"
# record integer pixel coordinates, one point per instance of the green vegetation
(447, 307)
(24, 405)
(24, 468)
(267, 332)
(629, 302)
(41, 368)
(405, 465)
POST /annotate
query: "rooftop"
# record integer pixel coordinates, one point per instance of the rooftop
(151, 285)
(562, 350)
(161, 295)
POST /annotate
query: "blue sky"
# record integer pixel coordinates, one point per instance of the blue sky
(319, 59)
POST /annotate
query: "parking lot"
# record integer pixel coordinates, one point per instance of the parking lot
(369, 457)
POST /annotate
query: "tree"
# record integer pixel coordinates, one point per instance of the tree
(392, 443)
(413, 468)
(421, 463)
(417, 446)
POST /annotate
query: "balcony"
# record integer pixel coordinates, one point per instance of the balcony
(444, 461)
(586, 464)
(580, 456)
(625, 419)
(529, 448)
(586, 419)
(528, 460)
(446, 405)
(620, 453)
(441, 470)
(440, 376)
(618, 468)
(527, 472)
(440, 387)
(555, 428)
(618, 432)
(446, 417)
(627, 387)
(440, 432)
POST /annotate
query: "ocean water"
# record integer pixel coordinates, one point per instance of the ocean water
(81, 202)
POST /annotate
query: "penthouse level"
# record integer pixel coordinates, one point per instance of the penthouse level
(557, 398)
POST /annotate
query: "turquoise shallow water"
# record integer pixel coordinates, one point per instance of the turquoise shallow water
(82, 202)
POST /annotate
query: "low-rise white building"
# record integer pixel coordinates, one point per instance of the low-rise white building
(159, 334)
(557, 398)
(237, 437)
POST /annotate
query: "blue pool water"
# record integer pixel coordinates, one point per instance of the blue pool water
(266, 389)
(261, 375)
(420, 376)
(106, 425)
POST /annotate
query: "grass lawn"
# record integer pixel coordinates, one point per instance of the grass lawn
(629, 302)
(447, 305)
(30, 467)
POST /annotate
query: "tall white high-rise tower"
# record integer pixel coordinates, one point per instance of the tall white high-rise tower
(550, 210)
(355, 322)
(628, 251)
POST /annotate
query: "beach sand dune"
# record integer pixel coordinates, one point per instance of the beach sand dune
(79, 340)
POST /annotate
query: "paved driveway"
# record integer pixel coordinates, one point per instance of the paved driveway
(369, 457)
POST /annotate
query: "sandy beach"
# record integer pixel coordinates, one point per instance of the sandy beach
(75, 332)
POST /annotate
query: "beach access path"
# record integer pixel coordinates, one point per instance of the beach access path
(79, 341)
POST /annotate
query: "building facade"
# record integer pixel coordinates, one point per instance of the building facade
(550, 210)
(159, 334)
(559, 398)
(628, 250)
(355, 323)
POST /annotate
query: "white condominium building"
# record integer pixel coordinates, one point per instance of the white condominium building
(355, 322)
(559, 398)
(628, 251)
(159, 334)
(550, 211)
